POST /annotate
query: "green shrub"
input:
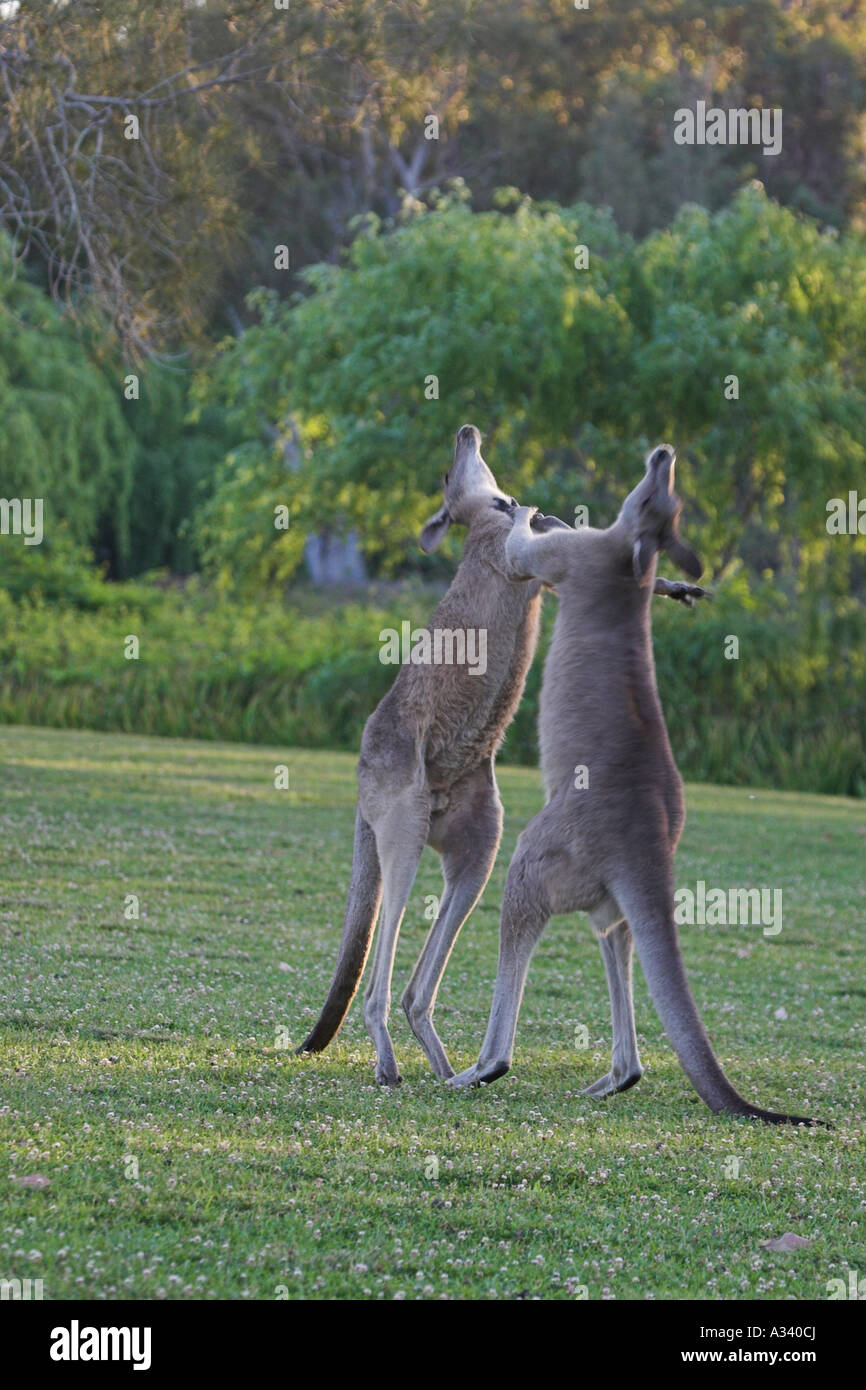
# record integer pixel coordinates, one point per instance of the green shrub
(790, 712)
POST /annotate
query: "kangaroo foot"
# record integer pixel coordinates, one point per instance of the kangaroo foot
(387, 1074)
(480, 1075)
(612, 1083)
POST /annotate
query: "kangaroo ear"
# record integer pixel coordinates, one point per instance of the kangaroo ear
(686, 558)
(642, 557)
(434, 531)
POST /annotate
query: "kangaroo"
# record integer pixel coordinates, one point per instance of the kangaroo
(425, 774)
(608, 848)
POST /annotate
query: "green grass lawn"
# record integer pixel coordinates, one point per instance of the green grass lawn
(149, 1076)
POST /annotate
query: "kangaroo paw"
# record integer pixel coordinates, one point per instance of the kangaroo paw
(481, 1074)
(610, 1084)
(464, 1078)
(387, 1075)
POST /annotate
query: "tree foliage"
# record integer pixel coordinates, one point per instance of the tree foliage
(63, 436)
(569, 371)
(260, 127)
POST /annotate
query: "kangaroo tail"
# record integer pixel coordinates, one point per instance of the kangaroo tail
(658, 948)
(362, 909)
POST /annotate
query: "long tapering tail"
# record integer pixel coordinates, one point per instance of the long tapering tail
(362, 909)
(658, 949)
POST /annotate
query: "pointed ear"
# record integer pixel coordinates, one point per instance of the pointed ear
(434, 531)
(686, 558)
(642, 557)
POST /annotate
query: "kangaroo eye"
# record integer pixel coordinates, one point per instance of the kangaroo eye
(447, 476)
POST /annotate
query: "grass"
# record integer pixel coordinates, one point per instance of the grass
(189, 1154)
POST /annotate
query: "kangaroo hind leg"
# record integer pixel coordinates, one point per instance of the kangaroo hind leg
(400, 839)
(525, 914)
(467, 837)
(617, 946)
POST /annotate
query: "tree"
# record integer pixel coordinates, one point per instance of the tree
(152, 157)
(450, 316)
(177, 453)
(63, 438)
(757, 294)
(735, 335)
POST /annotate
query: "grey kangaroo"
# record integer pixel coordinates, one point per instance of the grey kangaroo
(606, 848)
(425, 774)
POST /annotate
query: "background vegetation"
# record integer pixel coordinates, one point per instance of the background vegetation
(280, 293)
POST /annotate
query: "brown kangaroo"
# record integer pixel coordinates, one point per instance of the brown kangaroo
(604, 844)
(425, 774)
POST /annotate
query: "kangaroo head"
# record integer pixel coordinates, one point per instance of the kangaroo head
(650, 515)
(470, 490)
(469, 485)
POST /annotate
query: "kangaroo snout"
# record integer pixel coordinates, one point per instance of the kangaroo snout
(468, 437)
(665, 453)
